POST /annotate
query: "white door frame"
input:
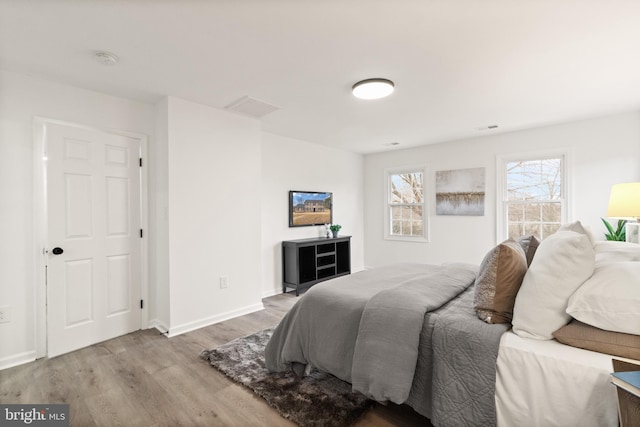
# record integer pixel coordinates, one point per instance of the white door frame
(40, 224)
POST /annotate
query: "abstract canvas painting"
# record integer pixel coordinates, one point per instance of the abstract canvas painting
(460, 192)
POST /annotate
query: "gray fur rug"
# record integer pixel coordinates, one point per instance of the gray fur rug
(318, 399)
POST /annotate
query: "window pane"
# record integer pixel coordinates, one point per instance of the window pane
(406, 220)
(417, 228)
(515, 211)
(516, 181)
(406, 188)
(532, 228)
(515, 230)
(406, 228)
(532, 212)
(534, 179)
(416, 213)
(407, 213)
(396, 212)
(552, 169)
(549, 229)
(551, 212)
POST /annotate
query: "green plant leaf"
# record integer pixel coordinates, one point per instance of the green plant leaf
(609, 228)
(619, 234)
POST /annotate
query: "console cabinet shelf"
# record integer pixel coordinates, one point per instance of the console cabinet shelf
(306, 262)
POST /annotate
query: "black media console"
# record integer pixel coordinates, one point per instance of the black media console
(306, 262)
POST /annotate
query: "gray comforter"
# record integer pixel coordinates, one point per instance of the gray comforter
(464, 351)
(385, 330)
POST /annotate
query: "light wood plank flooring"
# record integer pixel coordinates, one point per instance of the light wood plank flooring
(146, 379)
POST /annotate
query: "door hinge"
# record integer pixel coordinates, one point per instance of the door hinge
(141, 303)
(141, 233)
(140, 161)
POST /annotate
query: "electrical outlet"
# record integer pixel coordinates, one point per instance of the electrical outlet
(224, 282)
(5, 314)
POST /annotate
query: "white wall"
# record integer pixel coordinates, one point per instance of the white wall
(159, 312)
(214, 206)
(290, 164)
(604, 151)
(21, 98)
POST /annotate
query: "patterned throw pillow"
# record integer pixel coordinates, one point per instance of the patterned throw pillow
(498, 282)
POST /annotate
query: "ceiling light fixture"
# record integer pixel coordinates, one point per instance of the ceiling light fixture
(373, 88)
(106, 58)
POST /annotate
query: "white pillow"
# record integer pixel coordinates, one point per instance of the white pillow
(579, 228)
(610, 299)
(562, 263)
(607, 251)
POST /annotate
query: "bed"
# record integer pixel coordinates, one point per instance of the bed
(579, 392)
(425, 336)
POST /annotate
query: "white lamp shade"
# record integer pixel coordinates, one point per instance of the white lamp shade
(624, 201)
(372, 88)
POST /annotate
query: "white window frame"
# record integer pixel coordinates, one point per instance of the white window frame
(502, 222)
(424, 238)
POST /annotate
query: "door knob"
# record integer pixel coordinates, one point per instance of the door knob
(57, 251)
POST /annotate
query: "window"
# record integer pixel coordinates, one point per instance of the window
(533, 196)
(406, 209)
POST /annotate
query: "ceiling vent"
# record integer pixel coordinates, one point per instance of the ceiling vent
(490, 127)
(251, 107)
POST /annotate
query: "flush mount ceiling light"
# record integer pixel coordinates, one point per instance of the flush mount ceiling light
(106, 58)
(372, 88)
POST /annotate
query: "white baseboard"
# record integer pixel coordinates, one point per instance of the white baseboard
(155, 323)
(17, 359)
(188, 327)
(271, 292)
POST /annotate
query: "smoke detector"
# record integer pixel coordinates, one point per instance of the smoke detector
(106, 58)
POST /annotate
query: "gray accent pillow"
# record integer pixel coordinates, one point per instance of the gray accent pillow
(529, 246)
(498, 282)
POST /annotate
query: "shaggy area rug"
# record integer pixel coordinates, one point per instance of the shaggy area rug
(318, 399)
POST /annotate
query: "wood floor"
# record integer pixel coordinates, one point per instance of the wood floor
(146, 379)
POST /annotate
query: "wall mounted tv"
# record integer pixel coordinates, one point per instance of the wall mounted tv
(310, 208)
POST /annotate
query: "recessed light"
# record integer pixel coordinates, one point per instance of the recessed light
(106, 58)
(373, 88)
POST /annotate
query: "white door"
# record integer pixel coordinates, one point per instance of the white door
(93, 210)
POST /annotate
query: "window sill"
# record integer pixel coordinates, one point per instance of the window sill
(414, 239)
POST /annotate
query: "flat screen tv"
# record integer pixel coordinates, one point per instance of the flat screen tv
(310, 208)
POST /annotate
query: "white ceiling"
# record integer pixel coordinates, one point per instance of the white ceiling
(458, 65)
